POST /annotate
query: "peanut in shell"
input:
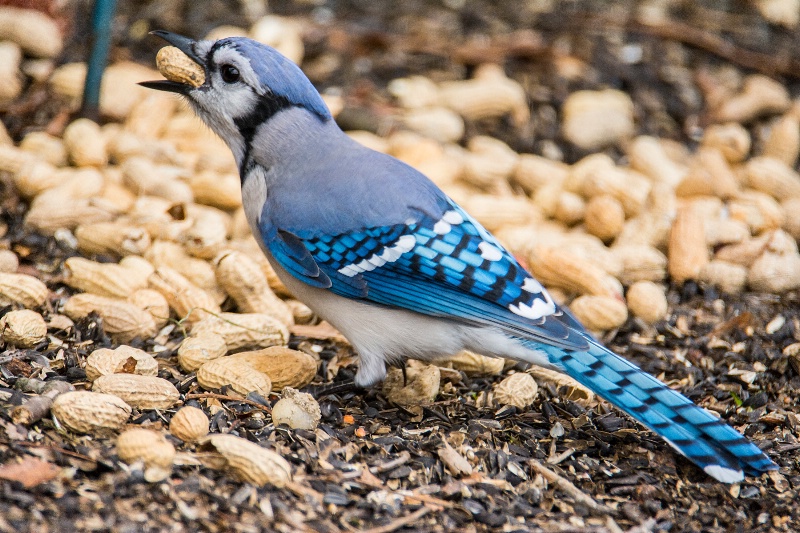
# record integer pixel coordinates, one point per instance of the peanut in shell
(177, 66)
(90, 412)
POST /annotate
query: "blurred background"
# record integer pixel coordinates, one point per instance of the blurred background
(665, 54)
(640, 157)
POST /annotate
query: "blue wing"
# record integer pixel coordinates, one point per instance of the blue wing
(453, 268)
(447, 266)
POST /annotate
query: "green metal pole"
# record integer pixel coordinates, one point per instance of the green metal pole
(102, 20)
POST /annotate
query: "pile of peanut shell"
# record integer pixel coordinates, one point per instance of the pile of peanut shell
(153, 189)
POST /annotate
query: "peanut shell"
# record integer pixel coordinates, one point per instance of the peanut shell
(599, 313)
(573, 390)
(729, 277)
(775, 273)
(518, 389)
(649, 157)
(285, 367)
(473, 364)
(36, 33)
(46, 146)
(103, 279)
(489, 94)
(533, 172)
(117, 238)
(190, 302)
(123, 359)
(154, 303)
(140, 392)
(688, 252)
(560, 268)
(647, 301)
(773, 177)
(436, 123)
(760, 96)
(10, 60)
(122, 320)
(9, 262)
(421, 386)
(23, 328)
(208, 234)
(90, 412)
(488, 161)
(640, 262)
(758, 210)
(298, 410)
(85, 144)
(595, 119)
(604, 217)
(200, 348)
(21, 289)
(50, 217)
(250, 462)
(177, 66)
(243, 280)
(245, 330)
(150, 447)
(235, 373)
(783, 141)
(732, 139)
(219, 190)
(189, 424)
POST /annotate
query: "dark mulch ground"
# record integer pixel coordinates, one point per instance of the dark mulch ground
(380, 468)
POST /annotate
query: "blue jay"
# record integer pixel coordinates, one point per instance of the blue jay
(378, 250)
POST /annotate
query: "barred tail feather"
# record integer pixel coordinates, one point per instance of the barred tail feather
(706, 440)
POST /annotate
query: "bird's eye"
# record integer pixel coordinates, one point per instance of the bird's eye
(230, 74)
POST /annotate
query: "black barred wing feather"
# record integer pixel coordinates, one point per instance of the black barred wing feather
(450, 267)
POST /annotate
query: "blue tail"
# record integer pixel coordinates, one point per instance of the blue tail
(721, 451)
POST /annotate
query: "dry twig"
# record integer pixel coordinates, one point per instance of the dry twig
(567, 487)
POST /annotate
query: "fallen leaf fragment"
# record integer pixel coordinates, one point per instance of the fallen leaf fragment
(30, 471)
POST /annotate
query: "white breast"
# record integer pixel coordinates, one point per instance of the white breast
(254, 196)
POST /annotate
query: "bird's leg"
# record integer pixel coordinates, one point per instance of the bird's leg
(401, 364)
(371, 369)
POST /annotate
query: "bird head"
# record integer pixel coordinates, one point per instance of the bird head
(246, 84)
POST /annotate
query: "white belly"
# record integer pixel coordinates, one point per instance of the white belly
(382, 335)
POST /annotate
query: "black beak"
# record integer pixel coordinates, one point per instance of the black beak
(185, 45)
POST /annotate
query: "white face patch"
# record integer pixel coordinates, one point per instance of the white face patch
(489, 252)
(389, 254)
(226, 55)
(219, 104)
